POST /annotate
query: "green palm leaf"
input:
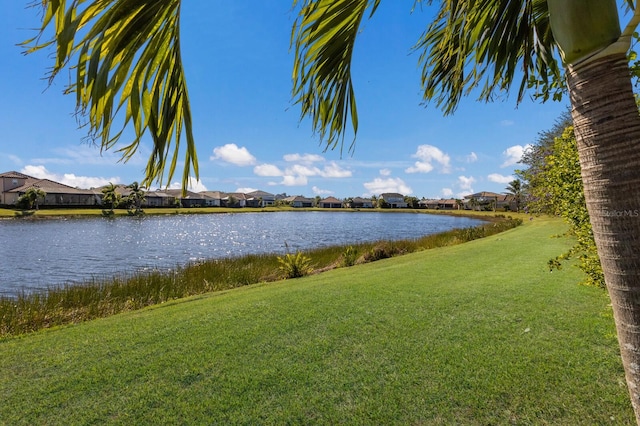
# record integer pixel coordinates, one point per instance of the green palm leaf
(127, 66)
(324, 36)
(486, 46)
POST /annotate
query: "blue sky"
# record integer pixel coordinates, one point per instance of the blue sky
(248, 133)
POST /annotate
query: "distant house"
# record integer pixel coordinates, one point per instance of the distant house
(213, 198)
(330, 203)
(394, 200)
(190, 199)
(484, 200)
(13, 185)
(441, 204)
(299, 201)
(507, 202)
(260, 199)
(158, 199)
(361, 203)
(234, 199)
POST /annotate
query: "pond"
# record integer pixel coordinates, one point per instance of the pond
(40, 253)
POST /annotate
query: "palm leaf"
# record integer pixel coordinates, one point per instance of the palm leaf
(127, 71)
(324, 37)
(486, 46)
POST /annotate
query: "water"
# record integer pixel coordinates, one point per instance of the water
(39, 253)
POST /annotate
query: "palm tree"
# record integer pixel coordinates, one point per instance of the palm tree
(136, 196)
(515, 188)
(33, 195)
(110, 196)
(128, 64)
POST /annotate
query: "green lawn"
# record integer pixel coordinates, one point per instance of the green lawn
(475, 334)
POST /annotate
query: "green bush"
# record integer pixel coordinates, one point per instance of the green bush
(294, 265)
(349, 256)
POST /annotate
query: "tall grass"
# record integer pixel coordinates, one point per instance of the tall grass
(103, 297)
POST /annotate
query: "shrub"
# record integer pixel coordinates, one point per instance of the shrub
(349, 256)
(382, 250)
(295, 265)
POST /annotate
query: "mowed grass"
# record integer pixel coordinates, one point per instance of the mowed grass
(474, 334)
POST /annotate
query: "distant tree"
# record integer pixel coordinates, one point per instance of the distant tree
(136, 196)
(374, 201)
(459, 204)
(110, 196)
(316, 201)
(412, 202)
(515, 189)
(31, 197)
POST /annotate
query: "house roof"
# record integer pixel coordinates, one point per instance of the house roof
(177, 193)
(362, 200)
(483, 194)
(391, 195)
(258, 194)
(216, 195)
(297, 198)
(49, 186)
(330, 200)
(15, 175)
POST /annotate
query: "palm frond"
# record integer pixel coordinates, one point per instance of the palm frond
(324, 37)
(486, 46)
(127, 65)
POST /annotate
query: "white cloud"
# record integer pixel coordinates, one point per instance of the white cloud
(447, 192)
(385, 172)
(466, 183)
(230, 153)
(333, 170)
(379, 186)
(471, 158)
(300, 170)
(267, 170)
(193, 186)
(513, 154)
(498, 178)
(294, 180)
(69, 179)
(246, 190)
(427, 155)
(304, 158)
(298, 174)
(319, 191)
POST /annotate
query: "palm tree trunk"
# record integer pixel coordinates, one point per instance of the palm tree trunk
(607, 129)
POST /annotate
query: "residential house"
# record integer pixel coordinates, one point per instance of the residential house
(158, 199)
(330, 203)
(361, 203)
(234, 199)
(507, 202)
(393, 200)
(189, 199)
(13, 185)
(260, 199)
(213, 198)
(441, 204)
(484, 200)
(299, 201)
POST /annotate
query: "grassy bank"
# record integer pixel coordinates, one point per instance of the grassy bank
(107, 296)
(475, 334)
